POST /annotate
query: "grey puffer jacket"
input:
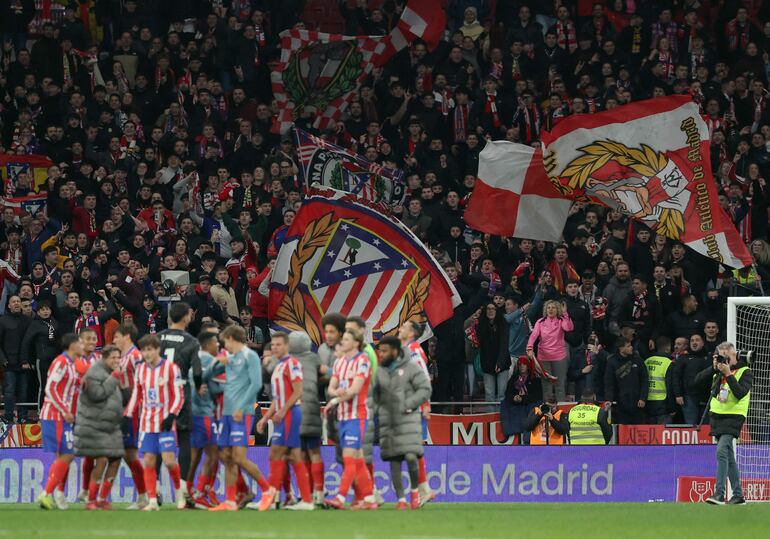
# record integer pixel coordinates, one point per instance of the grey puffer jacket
(399, 390)
(299, 347)
(99, 416)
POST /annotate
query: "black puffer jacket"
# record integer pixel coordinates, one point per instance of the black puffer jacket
(580, 314)
(625, 381)
(13, 326)
(41, 340)
(687, 369)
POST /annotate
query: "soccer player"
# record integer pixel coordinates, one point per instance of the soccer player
(159, 386)
(358, 323)
(285, 411)
(408, 334)
(400, 388)
(349, 387)
(181, 348)
(89, 338)
(244, 379)
(57, 417)
(204, 425)
(130, 358)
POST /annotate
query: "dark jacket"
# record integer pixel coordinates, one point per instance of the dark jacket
(100, 411)
(514, 413)
(686, 370)
(12, 330)
(299, 347)
(727, 423)
(399, 390)
(580, 314)
(625, 381)
(535, 416)
(493, 344)
(41, 340)
(680, 324)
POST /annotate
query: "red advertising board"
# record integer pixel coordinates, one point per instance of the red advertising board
(693, 489)
(663, 435)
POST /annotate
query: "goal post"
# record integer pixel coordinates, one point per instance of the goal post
(748, 327)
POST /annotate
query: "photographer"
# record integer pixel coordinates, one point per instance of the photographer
(557, 424)
(729, 405)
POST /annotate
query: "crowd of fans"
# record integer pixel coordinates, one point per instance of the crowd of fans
(157, 117)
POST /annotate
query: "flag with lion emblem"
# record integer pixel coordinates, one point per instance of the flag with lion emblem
(342, 255)
(650, 160)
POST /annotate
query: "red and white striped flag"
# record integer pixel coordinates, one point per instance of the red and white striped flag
(424, 19)
(513, 196)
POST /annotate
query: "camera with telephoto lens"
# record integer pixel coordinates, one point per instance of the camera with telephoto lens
(740, 355)
(545, 409)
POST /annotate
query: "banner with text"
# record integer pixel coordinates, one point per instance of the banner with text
(457, 474)
(663, 435)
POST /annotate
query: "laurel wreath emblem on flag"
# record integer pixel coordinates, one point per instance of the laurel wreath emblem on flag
(645, 161)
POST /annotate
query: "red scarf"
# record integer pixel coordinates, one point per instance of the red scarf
(490, 108)
(566, 37)
(640, 305)
(558, 279)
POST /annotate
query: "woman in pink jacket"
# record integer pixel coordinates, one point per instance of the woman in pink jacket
(552, 352)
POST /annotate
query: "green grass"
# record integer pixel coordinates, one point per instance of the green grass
(436, 521)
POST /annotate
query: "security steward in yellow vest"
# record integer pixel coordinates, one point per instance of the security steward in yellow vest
(729, 405)
(588, 422)
(660, 396)
(549, 414)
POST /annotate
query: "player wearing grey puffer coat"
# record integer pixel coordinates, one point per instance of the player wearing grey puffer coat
(399, 390)
(299, 347)
(99, 415)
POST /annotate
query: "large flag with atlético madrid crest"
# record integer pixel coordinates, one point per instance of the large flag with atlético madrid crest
(650, 160)
(342, 255)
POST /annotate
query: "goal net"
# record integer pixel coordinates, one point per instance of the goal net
(748, 326)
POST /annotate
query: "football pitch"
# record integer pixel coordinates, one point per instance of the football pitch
(436, 521)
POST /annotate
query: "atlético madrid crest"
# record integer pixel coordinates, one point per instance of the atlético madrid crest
(343, 256)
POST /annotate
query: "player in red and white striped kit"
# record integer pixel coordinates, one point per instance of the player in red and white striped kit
(158, 383)
(408, 333)
(130, 359)
(89, 338)
(349, 385)
(286, 414)
(56, 418)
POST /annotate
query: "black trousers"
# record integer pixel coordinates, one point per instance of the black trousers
(451, 381)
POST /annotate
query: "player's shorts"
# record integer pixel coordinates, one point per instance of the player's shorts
(234, 433)
(310, 442)
(57, 436)
(424, 429)
(352, 433)
(204, 431)
(130, 429)
(157, 442)
(286, 433)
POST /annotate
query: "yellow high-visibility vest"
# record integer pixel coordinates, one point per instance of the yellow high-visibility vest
(732, 406)
(657, 366)
(584, 426)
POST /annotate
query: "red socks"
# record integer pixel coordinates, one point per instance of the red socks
(105, 490)
(88, 467)
(240, 483)
(230, 492)
(137, 473)
(93, 488)
(349, 471)
(263, 483)
(317, 473)
(56, 475)
(303, 481)
(363, 479)
(422, 476)
(286, 479)
(277, 468)
(176, 475)
(203, 483)
(151, 481)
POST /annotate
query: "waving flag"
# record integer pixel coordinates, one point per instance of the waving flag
(35, 166)
(513, 196)
(30, 204)
(650, 160)
(318, 73)
(332, 166)
(341, 255)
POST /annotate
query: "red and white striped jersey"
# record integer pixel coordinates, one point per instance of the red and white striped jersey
(417, 355)
(288, 371)
(159, 389)
(128, 364)
(60, 391)
(346, 370)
